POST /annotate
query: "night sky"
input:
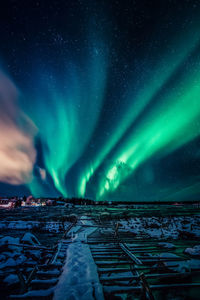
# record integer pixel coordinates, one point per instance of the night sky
(100, 99)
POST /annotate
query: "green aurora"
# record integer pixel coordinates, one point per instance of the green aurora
(114, 101)
(170, 87)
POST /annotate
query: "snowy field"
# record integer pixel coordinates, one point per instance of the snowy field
(164, 227)
(42, 256)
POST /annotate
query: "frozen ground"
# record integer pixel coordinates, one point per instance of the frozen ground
(164, 227)
(79, 278)
(51, 226)
(13, 255)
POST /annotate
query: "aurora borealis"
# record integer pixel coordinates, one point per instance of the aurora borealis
(109, 95)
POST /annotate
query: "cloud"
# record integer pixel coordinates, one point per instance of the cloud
(17, 152)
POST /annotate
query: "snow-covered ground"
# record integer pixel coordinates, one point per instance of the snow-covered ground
(79, 280)
(13, 254)
(164, 227)
(51, 226)
(194, 252)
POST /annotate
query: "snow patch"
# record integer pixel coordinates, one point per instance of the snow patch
(30, 239)
(79, 279)
(195, 251)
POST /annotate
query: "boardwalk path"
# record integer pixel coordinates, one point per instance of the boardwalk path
(100, 260)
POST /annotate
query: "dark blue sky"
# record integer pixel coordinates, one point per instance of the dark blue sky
(80, 67)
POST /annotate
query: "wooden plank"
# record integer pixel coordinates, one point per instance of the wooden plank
(130, 254)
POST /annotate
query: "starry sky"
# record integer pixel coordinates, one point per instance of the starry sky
(100, 99)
